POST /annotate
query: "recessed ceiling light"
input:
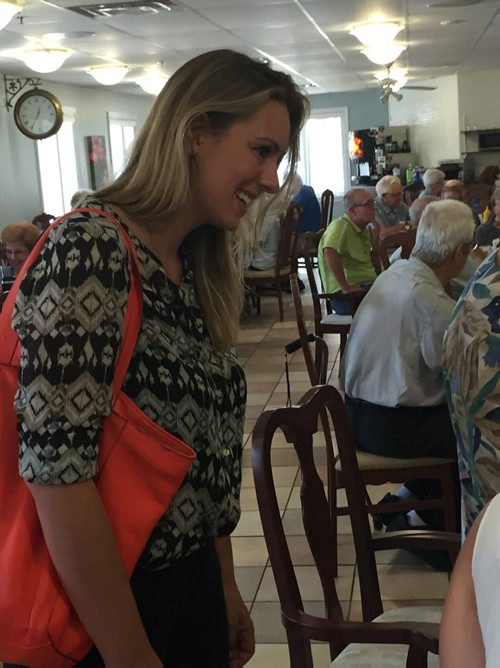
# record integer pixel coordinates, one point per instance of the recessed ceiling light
(453, 3)
(72, 34)
(451, 22)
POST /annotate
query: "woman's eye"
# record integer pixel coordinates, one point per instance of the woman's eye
(263, 151)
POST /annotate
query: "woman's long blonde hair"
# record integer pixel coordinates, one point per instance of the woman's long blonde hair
(226, 86)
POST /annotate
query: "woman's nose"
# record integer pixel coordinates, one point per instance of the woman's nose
(269, 178)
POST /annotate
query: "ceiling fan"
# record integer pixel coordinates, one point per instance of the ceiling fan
(393, 80)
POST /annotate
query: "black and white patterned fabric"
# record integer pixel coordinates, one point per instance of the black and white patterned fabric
(69, 317)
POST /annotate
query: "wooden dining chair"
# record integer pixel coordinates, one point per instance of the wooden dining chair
(408, 634)
(325, 321)
(327, 201)
(404, 239)
(279, 276)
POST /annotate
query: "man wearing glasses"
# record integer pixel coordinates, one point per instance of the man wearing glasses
(389, 209)
(345, 252)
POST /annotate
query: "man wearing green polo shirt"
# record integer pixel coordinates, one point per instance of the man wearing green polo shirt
(345, 250)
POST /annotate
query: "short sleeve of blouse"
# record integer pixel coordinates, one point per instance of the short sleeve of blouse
(69, 318)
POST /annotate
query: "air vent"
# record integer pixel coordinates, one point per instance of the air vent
(135, 7)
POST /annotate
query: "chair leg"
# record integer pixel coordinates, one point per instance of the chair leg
(449, 505)
(280, 302)
(300, 650)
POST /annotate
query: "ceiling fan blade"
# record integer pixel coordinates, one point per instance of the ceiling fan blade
(420, 87)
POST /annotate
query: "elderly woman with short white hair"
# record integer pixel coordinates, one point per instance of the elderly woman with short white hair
(433, 182)
(389, 209)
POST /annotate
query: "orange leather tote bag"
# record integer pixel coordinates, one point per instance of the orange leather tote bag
(141, 466)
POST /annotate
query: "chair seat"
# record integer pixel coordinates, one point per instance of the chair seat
(368, 461)
(334, 319)
(267, 273)
(359, 655)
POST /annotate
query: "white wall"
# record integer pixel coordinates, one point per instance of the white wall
(479, 99)
(20, 194)
(433, 119)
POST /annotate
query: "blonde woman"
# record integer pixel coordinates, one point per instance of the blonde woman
(211, 144)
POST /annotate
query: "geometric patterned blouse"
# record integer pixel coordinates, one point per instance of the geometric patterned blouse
(471, 358)
(69, 317)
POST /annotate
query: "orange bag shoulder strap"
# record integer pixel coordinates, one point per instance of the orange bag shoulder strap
(9, 340)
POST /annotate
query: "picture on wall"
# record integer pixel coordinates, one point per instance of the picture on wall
(98, 160)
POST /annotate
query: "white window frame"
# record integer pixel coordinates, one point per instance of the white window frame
(122, 120)
(304, 168)
(60, 169)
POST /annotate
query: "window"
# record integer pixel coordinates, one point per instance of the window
(324, 157)
(121, 136)
(57, 165)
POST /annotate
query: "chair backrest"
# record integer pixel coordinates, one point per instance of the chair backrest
(411, 192)
(299, 423)
(317, 370)
(317, 301)
(289, 236)
(310, 242)
(404, 239)
(327, 200)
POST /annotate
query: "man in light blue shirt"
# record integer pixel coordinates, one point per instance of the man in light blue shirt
(392, 367)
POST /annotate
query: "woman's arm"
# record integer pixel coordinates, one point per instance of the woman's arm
(241, 631)
(460, 639)
(85, 554)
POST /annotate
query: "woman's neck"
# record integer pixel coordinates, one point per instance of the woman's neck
(162, 238)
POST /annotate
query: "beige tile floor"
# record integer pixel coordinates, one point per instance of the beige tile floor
(404, 579)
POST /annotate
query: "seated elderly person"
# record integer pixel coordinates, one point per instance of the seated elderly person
(415, 212)
(490, 230)
(345, 251)
(389, 209)
(310, 218)
(454, 189)
(433, 183)
(19, 239)
(392, 374)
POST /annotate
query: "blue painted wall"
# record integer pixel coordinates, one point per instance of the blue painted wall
(364, 107)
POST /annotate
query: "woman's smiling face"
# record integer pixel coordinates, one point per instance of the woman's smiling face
(233, 167)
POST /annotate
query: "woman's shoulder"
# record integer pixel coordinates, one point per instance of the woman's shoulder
(92, 222)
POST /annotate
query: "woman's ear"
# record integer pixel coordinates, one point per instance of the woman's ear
(197, 134)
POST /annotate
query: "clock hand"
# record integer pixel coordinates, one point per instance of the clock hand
(36, 117)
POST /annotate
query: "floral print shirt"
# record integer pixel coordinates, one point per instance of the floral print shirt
(471, 358)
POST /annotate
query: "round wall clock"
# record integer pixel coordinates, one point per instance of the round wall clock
(38, 114)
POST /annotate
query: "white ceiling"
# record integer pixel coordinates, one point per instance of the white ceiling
(309, 38)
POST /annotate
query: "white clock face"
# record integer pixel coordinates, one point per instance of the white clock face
(37, 114)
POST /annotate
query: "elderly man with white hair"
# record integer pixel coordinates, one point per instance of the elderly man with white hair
(392, 373)
(434, 182)
(389, 209)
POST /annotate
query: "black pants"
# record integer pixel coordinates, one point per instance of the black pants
(183, 611)
(407, 432)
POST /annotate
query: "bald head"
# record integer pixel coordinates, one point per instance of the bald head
(417, 208)
(453, 189)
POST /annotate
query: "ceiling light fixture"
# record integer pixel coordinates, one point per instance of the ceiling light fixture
(384, 53)
(7, 11)
(152, 82)
(108, 75)
(44, 60)
(374, 34)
